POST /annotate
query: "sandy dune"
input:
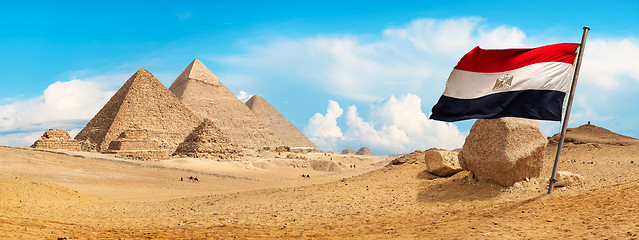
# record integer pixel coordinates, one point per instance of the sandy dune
(51, 195)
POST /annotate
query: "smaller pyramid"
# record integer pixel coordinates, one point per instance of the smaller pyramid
(364, 151)
(282, 128)
(207, 141)
(57, 139)
(136, 142)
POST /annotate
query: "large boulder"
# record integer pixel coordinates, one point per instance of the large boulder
(565, 179)
(504, 150)
(441, 163)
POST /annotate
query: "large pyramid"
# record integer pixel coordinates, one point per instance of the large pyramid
(200, 90)
(274, 120)
(145, 102)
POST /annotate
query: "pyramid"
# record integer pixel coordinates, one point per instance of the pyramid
(275, 121)
(57, 139)
(207, 141)
(200, 90)
(145, 102)
(136, 142)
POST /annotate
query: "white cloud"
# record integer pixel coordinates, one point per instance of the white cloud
(244, 96)
(395, 125)
(323, 129)
(416, 56)
(608, 62)
(62, 105)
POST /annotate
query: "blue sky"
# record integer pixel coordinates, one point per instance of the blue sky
(347, 73)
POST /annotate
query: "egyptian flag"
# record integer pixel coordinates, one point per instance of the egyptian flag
(494, 83)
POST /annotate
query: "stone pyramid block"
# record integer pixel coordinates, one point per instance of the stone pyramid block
(208, 141)
(136, 142)
(201, 91)
(282, 128)
(57, 139)
(145, 102)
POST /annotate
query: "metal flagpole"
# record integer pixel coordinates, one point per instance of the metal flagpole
(568, 107)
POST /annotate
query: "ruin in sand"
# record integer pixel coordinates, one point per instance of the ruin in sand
(145, 102)
(281, 127)
(201, 91)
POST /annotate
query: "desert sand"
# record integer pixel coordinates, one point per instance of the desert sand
(77, 195)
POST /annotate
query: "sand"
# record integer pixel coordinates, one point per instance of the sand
(89, 195)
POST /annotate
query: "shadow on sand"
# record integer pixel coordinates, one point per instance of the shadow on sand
(454, 189)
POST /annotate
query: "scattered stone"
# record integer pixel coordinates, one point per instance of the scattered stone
(364, 151)
(441, 163)
(282, 149)
(348, 151)
(504, 150)
(565, 179)
(57, 139)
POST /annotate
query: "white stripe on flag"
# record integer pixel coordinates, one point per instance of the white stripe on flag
(539, 76)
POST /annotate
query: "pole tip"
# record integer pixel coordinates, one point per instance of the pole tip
(586, 28)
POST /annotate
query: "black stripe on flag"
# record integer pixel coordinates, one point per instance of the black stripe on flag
(533, 104)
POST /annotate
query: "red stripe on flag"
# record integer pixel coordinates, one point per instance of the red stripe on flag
(501, 60)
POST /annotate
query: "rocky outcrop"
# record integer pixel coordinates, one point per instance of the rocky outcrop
(504, 150)
(57, 139)
(441, 163)
(415, 157)
(565, 179)
(364, 151)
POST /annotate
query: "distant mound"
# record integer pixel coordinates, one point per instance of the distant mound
(348, 151)
(364, 151)
(589, 133)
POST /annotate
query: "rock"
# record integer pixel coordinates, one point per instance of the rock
(504, 150)
(414, 157)
(441, 163)
(282, 149)
(348, 151)
(565, 179)
(364, 151)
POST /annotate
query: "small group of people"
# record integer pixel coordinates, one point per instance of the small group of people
(191, 178)
(306, 176)
(352, 166)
